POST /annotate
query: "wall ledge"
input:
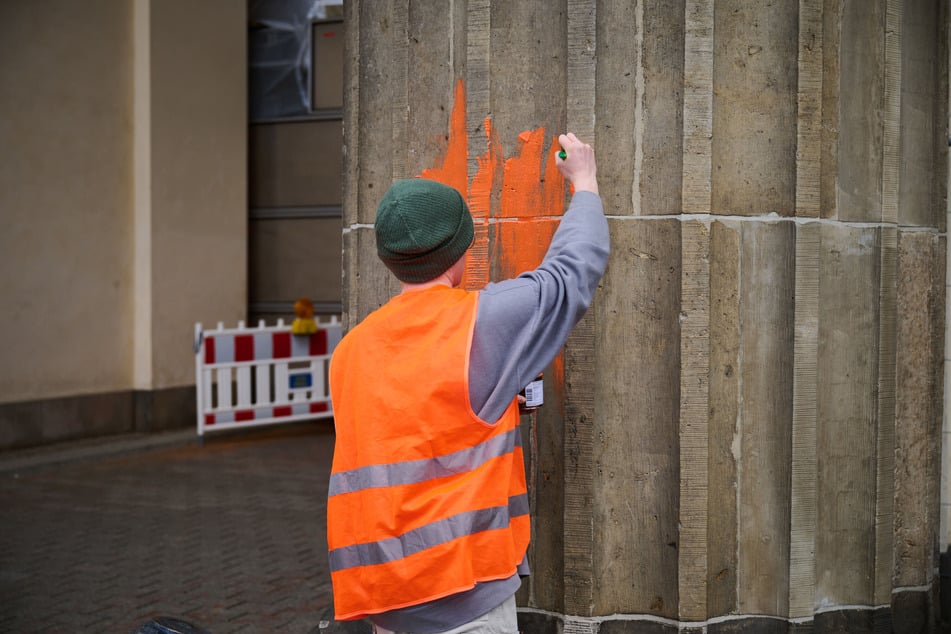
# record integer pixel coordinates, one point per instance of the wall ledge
(911, 611)
(48, 421)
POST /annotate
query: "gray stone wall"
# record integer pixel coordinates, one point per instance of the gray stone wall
(744, 431)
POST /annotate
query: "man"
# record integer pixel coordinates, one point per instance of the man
(428, 514)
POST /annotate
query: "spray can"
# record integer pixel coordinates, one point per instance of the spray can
(534, 395)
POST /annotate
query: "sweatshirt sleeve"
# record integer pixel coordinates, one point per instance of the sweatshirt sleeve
(522, 323)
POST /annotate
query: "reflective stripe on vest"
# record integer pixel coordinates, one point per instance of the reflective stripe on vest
(417, 540)
(384, 475)
(425, 499)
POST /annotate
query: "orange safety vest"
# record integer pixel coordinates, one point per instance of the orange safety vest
(426, 499)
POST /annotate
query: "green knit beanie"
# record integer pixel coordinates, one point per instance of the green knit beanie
(422, 228)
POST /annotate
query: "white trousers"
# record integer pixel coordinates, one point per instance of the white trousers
(502, 619)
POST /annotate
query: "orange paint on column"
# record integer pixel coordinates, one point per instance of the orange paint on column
(527, 190)
(521, 193)
(521, 246)
(480, 204)
(530, 191)
(452, 168)
(558, 380)
(530, 187)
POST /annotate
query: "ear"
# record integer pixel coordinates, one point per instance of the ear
(457, 270)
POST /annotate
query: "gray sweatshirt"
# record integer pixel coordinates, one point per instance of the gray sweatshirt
(520, 327)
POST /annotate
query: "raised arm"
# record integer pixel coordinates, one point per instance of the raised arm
(522, 323)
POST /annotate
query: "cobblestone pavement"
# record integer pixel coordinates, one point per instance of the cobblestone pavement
(229, 536)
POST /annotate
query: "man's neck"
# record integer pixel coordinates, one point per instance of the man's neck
(442, 280)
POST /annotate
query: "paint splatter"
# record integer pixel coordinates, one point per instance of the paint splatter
(530, 193)
(531, 196)
(526, 192)
(452, 167)
(520, 246)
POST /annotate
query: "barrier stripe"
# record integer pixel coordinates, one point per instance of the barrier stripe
(263, 345)
(244, 348)
(280, 411)
(300, 346)
(334, 335)
(282, 345)
(318, 342)
(267, 346)
(224, 349)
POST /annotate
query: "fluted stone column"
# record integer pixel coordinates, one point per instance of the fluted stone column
(743, 434)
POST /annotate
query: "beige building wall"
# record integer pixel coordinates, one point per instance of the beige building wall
(198, 178)
(65, 193)
(122, 208)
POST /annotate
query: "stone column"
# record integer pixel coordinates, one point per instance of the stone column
(744, 431)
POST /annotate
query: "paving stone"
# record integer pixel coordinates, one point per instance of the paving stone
(228, 536)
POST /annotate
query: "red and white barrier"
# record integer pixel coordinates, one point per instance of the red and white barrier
(264, 375)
